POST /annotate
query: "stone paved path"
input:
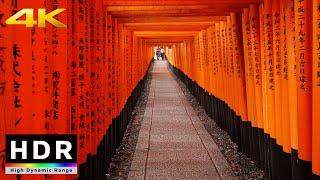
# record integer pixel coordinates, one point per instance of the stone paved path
(173, 143)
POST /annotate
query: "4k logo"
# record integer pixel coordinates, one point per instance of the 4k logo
(43, 17)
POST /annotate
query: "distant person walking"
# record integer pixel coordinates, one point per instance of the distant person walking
(162, 53)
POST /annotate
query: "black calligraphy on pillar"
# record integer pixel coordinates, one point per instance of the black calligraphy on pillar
(2, 87)
(2, 62)
(16, 52)
(231, 49)
(277, 43)
(56, 82)
(33, 40)
(1, 20)
(318, 49)
(301, 44)
(254, 23)
(249, 44)
(285, 68)
(80, 73)
(269, 51)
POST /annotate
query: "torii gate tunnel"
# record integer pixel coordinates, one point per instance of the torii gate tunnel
(254, 65)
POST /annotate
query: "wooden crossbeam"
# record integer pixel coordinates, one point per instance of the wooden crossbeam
(170, 19)
(178, 12)
(175, 2)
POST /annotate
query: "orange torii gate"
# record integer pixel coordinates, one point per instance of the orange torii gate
(253, 64)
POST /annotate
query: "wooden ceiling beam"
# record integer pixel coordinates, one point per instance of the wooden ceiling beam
(154, 34)
(175, 2)
(175, 38)
(180, 7)
(168, 28)
(166, 40)
(170, 19)
(181, 12)
(169, 23)
(173, 15)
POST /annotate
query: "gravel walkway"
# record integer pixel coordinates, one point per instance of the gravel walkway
(121, 162)
(173, 143)
(242, 166)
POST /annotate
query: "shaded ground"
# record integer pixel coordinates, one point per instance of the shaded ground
(241, 165)
(121, 162)
(173, 142)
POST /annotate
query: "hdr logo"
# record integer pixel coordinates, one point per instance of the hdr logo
(41, 154)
